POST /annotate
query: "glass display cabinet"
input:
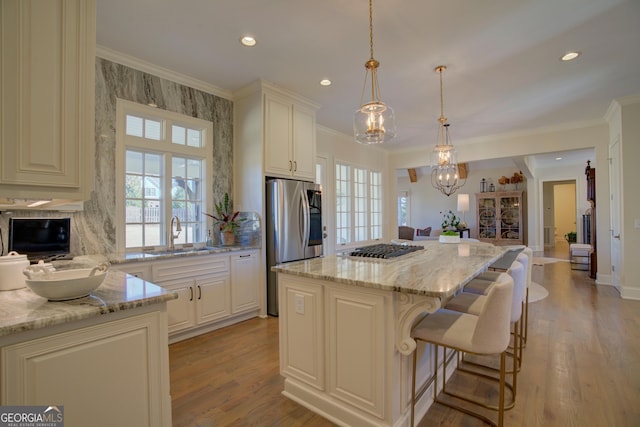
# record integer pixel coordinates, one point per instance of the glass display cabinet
(499, 217)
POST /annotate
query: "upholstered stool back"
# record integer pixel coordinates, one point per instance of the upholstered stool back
(492, 331)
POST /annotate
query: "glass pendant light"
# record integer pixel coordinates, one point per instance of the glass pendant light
(445, 175)
(374, 122)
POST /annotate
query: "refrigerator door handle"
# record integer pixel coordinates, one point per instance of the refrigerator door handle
(306, 214)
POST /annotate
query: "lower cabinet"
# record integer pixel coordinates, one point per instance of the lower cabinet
(213, 290)
(107, 374)
(245, 276)
(200, 300)
(332, 344)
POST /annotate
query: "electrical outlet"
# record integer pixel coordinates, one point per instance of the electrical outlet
(636, 223)
(299, 304)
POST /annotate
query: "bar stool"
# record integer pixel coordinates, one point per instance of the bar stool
(479, 285)
(484, 334)
(474, 304)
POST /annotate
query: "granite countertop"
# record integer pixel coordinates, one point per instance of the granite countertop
(22, 310)
(439, 270)
(181, 252)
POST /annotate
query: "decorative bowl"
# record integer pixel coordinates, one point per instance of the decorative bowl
(64, 285)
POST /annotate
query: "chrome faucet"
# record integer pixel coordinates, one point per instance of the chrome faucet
(172, 236)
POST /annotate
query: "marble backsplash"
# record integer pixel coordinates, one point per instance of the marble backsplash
(93, 230)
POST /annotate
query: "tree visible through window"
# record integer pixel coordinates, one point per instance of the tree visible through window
(165, 162)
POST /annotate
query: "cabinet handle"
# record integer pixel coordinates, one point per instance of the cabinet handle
(295, 166)
(245, 256)
(617, 236)
(191, 292)
(290, 166)
(199, 292)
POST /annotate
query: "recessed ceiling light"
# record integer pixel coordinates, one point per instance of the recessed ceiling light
(248, 41)
(570, 56)
(558, 158)
(325, 82)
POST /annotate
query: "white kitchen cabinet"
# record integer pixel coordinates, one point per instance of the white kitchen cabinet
(203, 287)
(213, 290)
(327, 331)
(47, 75)
(121, 364)
(289, 143)
(245, 281)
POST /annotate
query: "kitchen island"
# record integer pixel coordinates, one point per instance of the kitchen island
(345, 328)
(104, 357)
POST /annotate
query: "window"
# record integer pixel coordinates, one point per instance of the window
(163, 158)
(358, 204)
(404, 204)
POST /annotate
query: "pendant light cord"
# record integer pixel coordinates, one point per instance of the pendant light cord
(371, 27)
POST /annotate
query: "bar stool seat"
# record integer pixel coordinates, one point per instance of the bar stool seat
(486, 333)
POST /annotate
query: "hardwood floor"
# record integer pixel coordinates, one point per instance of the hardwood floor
(581, 366)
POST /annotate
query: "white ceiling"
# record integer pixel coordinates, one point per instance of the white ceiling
(504, 74)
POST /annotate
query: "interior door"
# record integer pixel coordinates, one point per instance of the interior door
(615, 227)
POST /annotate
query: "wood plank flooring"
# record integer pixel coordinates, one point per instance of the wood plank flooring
(581, 366)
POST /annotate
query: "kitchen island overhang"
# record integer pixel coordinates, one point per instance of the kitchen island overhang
(345, 327)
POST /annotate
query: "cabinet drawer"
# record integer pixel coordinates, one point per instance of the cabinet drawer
(189, 267)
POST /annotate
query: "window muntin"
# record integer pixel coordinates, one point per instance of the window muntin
(358, 204)
(164, 157)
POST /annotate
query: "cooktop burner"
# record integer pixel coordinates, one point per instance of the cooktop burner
(384, 250)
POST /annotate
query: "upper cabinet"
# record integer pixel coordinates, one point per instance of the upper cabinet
(47, 77)
(289, 143)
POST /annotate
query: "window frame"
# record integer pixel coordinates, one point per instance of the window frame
(167, 149)
(360, 210)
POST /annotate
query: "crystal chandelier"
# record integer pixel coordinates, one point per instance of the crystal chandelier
(444, 174)
(374, 122)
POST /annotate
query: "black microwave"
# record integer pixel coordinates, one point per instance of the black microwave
(40, 238)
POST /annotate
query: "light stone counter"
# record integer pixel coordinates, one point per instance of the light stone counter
(21, 310)
(440, 270)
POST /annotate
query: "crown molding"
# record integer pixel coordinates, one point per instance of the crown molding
(156, 70)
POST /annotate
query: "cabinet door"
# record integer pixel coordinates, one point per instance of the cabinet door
(302, 350)
(245, 277)
(121, 364)
(355, 334)
(278, 136)
(47, 76)
(180, 311)
(487, 213)
(304, 143)
(213, 299)
(510, 219)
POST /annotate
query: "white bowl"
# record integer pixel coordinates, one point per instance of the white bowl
(449, 239)
(66, 284)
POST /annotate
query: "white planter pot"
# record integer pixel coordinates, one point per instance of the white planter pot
(449, 239)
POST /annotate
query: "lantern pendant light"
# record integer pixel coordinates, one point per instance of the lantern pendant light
(444, 174)
(374, 122)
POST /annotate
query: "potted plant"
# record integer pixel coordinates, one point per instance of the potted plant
(571, 237)
(226, 219)
(450, 224)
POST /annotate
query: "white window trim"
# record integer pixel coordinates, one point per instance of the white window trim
(124, 107)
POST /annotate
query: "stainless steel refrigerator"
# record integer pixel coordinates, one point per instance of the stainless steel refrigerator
(293, 227)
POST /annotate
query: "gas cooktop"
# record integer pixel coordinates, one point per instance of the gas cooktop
(384, 251)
